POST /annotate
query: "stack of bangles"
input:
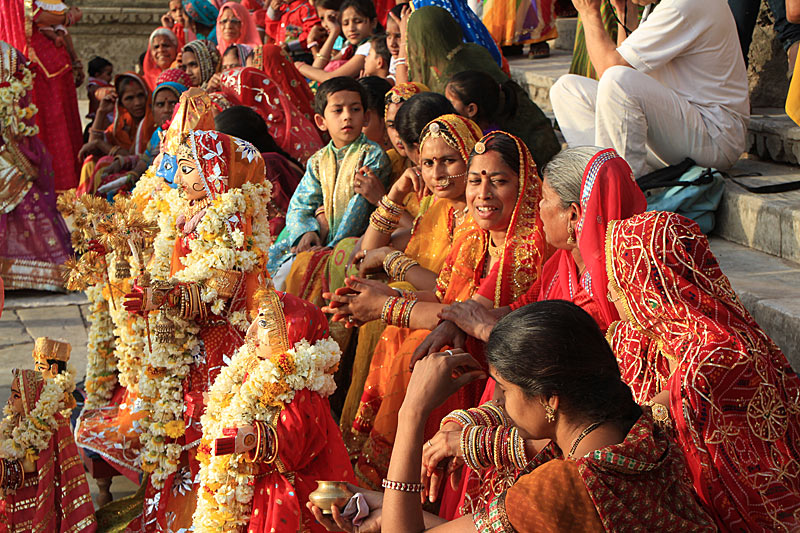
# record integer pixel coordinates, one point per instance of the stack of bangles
(397, 310)
(488, 414)
(185, 298)
(11, 474)
(386, 216)
(266, 448)
(499, 446)
(397, 264)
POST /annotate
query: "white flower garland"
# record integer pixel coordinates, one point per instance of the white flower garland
(27, 437)
(101, 367)
(226, 482)
(165, 368)
(12, 116)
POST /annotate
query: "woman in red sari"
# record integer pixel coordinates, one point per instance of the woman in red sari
(293, 132)
(575, 215)
(54, 84)
(52, 494)
(688, 346)
(503, 193)
(128, 134)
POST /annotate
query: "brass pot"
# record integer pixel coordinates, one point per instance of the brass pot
(330, 494)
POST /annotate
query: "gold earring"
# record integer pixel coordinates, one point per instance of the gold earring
(571, 231)
(549, 412)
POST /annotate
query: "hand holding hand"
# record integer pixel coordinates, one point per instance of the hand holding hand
(371, 260)
(471, 317)
(443, 335)
(361, 299)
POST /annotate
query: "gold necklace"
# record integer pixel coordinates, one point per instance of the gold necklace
(494, 251)
(199, 206)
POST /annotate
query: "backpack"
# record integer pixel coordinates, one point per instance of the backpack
(687, 189)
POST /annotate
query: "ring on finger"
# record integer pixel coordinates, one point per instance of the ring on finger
(449, 352)
(429, 443)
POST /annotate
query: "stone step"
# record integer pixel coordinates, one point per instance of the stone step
(769, 287)
(766, 222)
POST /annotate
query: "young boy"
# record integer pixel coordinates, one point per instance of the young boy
(379, 59)
(100, 73)
(327, 206)
(375, 129)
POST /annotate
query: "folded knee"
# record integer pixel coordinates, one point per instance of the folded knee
(618, 79)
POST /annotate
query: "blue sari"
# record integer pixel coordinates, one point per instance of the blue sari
(473, 29)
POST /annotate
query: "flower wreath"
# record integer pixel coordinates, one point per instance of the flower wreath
(12, 116)
(165, 368)
(26, 438)
(241, 394)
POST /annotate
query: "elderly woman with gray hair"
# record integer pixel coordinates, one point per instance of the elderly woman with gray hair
(584, 189)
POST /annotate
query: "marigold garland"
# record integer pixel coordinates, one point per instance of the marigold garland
(238, 397)
(13, 118)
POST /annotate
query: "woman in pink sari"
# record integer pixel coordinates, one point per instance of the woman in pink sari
(27, 199)
(290, 128)
(235, 25)
(54, 85)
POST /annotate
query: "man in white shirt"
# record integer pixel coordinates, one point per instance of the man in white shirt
(675, 87)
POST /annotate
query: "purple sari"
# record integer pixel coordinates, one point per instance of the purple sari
(34, 239)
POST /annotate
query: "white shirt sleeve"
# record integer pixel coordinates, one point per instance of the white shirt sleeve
(667, 32)
(363, 49)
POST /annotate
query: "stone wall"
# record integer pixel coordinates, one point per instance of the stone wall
(768, 65)
(118, 33)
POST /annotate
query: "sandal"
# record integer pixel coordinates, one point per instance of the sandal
(539, 51)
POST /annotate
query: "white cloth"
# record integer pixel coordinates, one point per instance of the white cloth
(687, 95)
(363, 49)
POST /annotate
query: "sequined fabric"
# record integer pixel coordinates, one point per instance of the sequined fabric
(733, 397)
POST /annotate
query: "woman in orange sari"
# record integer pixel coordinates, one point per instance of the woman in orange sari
(206, 268)
(445, 145)
(503, 193)
(128, 134)
(687, 346)
(44, 487)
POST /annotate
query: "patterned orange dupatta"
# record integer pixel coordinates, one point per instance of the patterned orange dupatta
(464, 270)
(732, 395)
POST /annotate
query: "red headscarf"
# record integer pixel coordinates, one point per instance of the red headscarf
(151, 69)
(292, 131)
(608, 192)
(732, 395)
(249, 31)
(276, 64)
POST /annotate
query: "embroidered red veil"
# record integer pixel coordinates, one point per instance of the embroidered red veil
(290, 128)
(733, 396)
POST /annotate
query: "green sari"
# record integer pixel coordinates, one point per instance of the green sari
(436, 52)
